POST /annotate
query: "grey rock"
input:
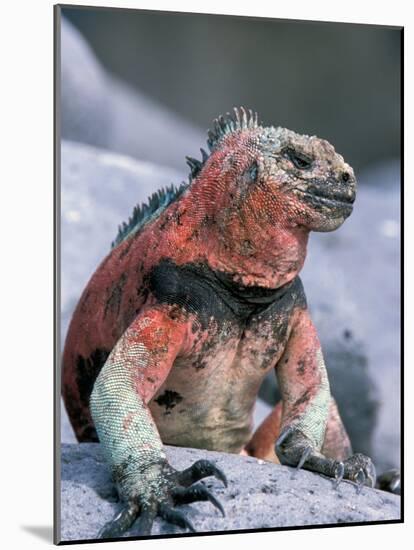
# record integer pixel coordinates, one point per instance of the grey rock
(259, 495)
(100, 110)
(67, 435)
(85, 100)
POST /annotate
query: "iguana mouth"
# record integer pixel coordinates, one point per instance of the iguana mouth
(331, 191)
(333, 200)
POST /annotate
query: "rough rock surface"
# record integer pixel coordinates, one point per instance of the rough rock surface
(259, 495)
(98, 109)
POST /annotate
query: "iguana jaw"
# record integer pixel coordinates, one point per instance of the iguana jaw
(324, 205)
(335, 203)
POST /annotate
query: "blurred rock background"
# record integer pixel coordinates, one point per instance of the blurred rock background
(138, 90)
(338, 81)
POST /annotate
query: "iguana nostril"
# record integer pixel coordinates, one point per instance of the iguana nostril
(345, 176)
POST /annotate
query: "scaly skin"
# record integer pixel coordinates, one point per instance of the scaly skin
(181, 322)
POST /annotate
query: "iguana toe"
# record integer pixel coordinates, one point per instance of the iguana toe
(360, 469)
(339, 474)
(199, 470)
(194, 494)
(294, 448)
(120, 523)
(175, 517)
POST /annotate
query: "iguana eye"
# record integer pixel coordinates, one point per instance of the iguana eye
(299, 160)
(252, 171)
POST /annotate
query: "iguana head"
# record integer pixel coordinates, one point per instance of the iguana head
(271, 176)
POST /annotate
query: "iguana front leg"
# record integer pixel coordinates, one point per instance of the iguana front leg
(306, 399)
(336, 443)
(133, 372)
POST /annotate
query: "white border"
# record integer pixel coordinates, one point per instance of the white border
(26, 301)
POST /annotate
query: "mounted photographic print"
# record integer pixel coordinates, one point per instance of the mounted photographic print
(228, 203)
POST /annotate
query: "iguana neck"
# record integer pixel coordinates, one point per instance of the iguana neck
(247, 253)
(268, 259)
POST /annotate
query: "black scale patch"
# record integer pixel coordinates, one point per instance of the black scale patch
(207, 293)
(87, 370)
(169, 399)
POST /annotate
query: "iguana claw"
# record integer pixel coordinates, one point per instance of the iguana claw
(360, 469)
(196, 493)
(339, 474)
(175, 517)
(360, 480)
(305, 454)
(304, 457)
(295, 449)
(145, 520)
(170, 489)
(200, 469)
(121, 523)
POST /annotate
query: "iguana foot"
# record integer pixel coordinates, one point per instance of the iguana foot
(165, 490)
(293, 448)
(390, 481)
(360, 469)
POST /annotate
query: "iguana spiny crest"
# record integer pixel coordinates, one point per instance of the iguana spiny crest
(294, 179)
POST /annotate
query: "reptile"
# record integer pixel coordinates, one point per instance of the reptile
(197, 300)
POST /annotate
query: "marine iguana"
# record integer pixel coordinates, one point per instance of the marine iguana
(197, 300)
